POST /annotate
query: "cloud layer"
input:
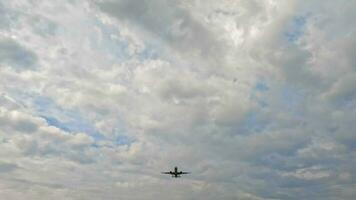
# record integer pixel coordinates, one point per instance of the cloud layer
(256, 98)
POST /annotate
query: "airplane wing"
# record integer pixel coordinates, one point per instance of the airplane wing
(166, 172)
(184, 172)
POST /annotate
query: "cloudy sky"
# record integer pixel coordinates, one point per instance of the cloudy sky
(257, 98)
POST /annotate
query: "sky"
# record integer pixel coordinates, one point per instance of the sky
(257, 98)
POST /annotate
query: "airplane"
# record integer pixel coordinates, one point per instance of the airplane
(175, 173)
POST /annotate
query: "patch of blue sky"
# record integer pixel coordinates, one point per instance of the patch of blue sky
(56, 123)
(295, 28)
(73, 122)
(124, 140)
(149, 52)
(120, 140)
(290, 98)
(68, 120)
(262, 104)
(253, 122)
(118, 47)
(261, 86)
(109, 41)
(292, 101)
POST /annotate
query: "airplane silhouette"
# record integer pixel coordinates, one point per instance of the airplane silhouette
(175, 173)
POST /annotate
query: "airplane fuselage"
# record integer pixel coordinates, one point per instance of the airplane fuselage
(175, 173)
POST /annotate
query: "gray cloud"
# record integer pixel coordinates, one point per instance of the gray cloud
(175, 26)
(343, 92)
(3, 22)
(6, 16)
(19, 122)
(282, 130)
(13, 54)
(7, 167)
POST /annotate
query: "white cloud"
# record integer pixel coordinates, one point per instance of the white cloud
(98, 97)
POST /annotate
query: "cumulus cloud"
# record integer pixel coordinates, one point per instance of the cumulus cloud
(255, 98)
